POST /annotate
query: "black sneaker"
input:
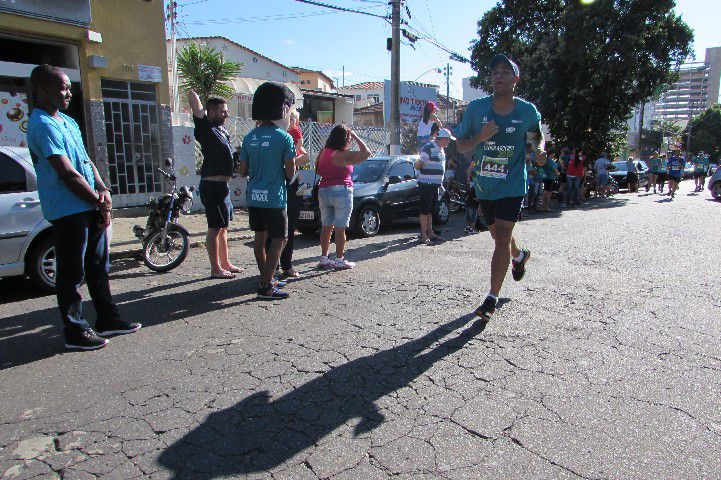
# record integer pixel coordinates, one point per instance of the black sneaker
(486, 309)
(518, 269)
(271, 292)
(85, 339)
(117, 326)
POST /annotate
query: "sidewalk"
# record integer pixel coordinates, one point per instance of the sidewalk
(125, 245)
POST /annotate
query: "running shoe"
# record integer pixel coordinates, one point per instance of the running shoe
(271, 292)
(486, 309)
(325, 263)
(342, 264)
(518, 269)
(83, 339)
(277, 282)
(116, 326)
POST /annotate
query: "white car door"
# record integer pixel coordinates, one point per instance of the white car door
(20, 209)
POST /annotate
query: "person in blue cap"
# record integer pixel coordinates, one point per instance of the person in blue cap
(496, 128)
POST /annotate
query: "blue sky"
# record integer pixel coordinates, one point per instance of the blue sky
(313, 37)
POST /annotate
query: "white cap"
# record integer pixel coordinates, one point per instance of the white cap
(445, 133)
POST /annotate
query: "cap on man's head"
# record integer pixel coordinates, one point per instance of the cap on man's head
(501, 58)
(269, 99)
(445, 133)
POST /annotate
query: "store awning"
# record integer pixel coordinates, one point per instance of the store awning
(245, 89)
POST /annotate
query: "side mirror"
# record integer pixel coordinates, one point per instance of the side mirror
(168, 162)
(392, 180)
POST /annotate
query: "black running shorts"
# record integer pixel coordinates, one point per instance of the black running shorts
(215, 197)
(508, 209)
(273, 221)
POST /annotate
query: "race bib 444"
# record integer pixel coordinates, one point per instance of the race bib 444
(494, 167)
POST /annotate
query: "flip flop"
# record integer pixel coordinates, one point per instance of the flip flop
(223, 276)
(235, 270)
(290, 274)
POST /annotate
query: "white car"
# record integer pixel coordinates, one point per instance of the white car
(27, 247)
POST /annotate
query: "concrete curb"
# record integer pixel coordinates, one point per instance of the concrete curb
(136, 252)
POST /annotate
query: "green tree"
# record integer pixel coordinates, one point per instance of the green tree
(203, 69)
(585, 66)
(706, 132)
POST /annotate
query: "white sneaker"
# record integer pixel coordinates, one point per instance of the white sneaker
(326, 262)
(342, 264)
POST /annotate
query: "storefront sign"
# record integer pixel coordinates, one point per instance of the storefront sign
(13, 119)
(413, 98)
(149, 73)
(65, 11)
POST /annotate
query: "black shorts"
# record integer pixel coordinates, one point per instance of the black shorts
(699, 174)
(429, 197)
(548, 185)
(272, 221)
(508, 209)
(471, 200)
(215, 197)
(661, 177)
(674, 178)
(562, 177)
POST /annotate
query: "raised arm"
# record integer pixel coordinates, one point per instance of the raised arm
(195, 105)
(346, 157)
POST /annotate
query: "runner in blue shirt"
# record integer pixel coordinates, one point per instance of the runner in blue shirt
(496, 129)
(701, 164)
(676, 165)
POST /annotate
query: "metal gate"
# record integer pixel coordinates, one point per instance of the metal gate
(133, 136)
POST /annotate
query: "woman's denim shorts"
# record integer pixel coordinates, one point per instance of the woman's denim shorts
(336, 205)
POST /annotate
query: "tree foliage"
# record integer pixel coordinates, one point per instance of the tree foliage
(205, 70)
(706, 132)
(585, 66)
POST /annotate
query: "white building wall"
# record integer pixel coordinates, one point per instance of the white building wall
(470, 93)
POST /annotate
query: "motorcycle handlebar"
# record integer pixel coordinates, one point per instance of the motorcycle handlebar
(166, 174)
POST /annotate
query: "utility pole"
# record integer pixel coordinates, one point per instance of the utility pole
(640, 128)
(395, 106)
(343, 75)
(448, 89)
(172, 18)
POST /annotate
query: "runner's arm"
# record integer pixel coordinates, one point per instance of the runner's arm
(466, 145)
(195, 105)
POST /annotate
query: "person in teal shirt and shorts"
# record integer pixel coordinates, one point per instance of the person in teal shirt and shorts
(496, 129)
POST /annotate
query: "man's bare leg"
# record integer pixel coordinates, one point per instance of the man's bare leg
(502, 233)
(211, 244)
(223, 252)
(272, 256)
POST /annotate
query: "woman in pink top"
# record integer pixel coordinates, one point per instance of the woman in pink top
(574, 179)
(335, 192)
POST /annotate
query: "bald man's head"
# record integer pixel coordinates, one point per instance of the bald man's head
(51, 87)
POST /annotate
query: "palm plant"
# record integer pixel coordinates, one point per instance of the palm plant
(205, 70)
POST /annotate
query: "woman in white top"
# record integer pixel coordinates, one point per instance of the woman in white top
(425, 124)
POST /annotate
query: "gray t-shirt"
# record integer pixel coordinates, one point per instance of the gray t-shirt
(602, 165)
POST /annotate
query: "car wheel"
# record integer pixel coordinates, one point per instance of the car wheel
(42, 265)
(443, 212)
(368, 221)
(716, 190)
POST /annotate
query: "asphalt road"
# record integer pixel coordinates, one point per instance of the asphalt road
(604, 362)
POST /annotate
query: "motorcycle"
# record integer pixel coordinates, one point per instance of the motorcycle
(589, 185)
(457, 194)
(165, 241)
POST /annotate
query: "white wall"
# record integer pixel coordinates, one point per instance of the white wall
(253, 66)
(344, 111)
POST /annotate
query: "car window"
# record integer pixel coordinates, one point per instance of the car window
(404, 170)
(12, 176)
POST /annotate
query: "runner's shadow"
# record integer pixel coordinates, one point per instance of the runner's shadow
(664, 200)
(261, 432)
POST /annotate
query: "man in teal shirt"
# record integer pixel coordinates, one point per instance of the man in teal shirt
(75, 200)
(268, 158)
(701, 164)
(496, 129)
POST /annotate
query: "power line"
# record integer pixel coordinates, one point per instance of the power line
(342, 9)
(265, 18)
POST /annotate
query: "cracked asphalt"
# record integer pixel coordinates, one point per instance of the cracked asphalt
(604, 362)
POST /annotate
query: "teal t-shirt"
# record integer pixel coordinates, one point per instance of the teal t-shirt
(49, 136)
(701, 164)
(549, 169)
(654, 165)
(662, 165)
(266, 149)
(501, 169)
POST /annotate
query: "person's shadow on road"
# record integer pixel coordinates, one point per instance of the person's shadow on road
(260, 433)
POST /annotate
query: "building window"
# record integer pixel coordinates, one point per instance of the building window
(358, 98)
(375, 97)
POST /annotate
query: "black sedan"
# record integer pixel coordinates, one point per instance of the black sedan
(384, 189)
(620, 173)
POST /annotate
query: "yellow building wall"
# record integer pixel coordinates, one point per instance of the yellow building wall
(133, 33)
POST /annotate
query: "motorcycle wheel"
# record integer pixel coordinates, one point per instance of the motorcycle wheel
(455, 204)
(163, 256)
